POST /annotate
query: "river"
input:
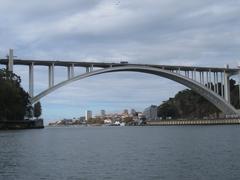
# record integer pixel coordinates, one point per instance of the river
(158, 152)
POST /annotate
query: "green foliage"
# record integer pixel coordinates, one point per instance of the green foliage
(37, 110)
(188, 104)
(14, 101)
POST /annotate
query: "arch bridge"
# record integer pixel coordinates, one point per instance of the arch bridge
(210, 82)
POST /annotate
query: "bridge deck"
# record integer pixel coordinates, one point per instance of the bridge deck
(105, 65)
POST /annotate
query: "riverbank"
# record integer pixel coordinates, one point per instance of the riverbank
(26, 124)
(193, 122)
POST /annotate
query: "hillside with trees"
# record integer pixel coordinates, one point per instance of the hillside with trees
(189, 105)
(14, 101)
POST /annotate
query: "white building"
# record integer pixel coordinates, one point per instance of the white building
(107, 121)
(88, 115)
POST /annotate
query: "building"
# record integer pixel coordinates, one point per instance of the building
(88, 115)
(103, 113)
(151, 113)
(125, 111)
(133, 112)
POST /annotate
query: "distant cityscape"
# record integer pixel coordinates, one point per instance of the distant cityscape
(126, 117)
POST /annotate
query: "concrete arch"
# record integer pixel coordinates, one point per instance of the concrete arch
(214, 98)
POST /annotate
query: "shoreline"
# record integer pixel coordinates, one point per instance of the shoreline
(206, 122)
(193, 122)
(18, 125)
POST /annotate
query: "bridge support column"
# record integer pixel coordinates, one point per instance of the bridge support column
(210, 80)
(87, 69)
(72, 71)
(222, 85)
(51, 75)
(207, 80)
(10, 60)
(31, 80)
(214, 82)
(68, 72)
(226, 87)
(203, 81)
(200, 77)
(217, 83)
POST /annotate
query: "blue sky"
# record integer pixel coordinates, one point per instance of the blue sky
(170, 32)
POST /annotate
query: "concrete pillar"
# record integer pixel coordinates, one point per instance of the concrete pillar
(91, 68)
(226, 87)
(222, 85)
(68, 72)
(10, 60)
(200, 77)
(72, 71)
(210, 80)
(217, 83)
(195, 76)
(87, 69)
(31, 80)
(207, 80)
(203, 81)
(51, 75)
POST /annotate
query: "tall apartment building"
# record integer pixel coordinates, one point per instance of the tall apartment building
(88, 115)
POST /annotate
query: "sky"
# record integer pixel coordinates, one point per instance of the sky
(169, 32)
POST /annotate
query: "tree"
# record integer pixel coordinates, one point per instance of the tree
(188, 105)
(37, 110)
(14, 101)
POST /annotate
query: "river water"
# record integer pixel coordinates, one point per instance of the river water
(160, 152)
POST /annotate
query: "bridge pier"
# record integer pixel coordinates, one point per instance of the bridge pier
(31, 80)
(69, 72)
(214, 82)
(203, 80)
(87, 70)
(72, 71)
(51, 75)
(195, 76)
(207, 80)
(217, 90)
(222, 85)
(226, 87)
(210, 80)
(10, 60)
